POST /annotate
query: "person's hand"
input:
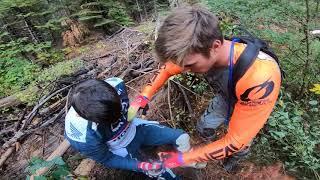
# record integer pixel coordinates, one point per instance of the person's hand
(154, 169)
(135, 105)
(171, 159)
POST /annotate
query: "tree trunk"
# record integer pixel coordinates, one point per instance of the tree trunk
(306, 33)
(9, 101)
(31, 33)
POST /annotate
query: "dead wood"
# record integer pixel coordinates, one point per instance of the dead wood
(148, 63)
(169, 104)
(186, 99)
(9, 120)
(5, 155)
(84, 167)
(22, 133)
(52, 106)
(7, 130)
(155, 70)
(117, 32)
(134, 73)
(102, 56)
(76, 33)
(34, 111)
(16, 126)
(103, 73)
(124, 73)
(62, 148)
(9, 101)
(67, 106)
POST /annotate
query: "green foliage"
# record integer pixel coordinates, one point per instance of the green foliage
(41, 53)
(60, 69)
(44, 53)
(57, 168)
(46, 79)
(29, 28)
(195, 82)
(38, 14)
(12, 49)
(118, 13)
(103, 13)
(292, 135)
(15, 74)
(285, 25)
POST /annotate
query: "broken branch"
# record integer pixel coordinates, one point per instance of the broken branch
(187, 101)
(169, 103)
(39, 105)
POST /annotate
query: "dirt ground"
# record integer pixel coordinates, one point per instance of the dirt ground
(113, 56)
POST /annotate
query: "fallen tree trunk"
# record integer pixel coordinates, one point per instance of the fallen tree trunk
(9, 101)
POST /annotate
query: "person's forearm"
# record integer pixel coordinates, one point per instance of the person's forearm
(165, 72)
(216, 150)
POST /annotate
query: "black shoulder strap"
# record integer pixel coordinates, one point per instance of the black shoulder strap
(246, 58)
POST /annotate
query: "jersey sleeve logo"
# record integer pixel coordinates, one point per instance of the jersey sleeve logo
(257, 95)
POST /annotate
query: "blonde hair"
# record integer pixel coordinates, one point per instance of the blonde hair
(187, 30)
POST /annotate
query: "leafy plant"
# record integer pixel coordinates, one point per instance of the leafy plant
(15, 74)
(292, 135)
(46, 79)
(41, 53)
(195, 82)
(57, 168)
(103, 13)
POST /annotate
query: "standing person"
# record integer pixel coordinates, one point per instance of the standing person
(245, 70)
(96, 125)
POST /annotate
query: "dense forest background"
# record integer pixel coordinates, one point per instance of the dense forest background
(41, 42)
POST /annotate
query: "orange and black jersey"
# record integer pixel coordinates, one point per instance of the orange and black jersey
(256, 92)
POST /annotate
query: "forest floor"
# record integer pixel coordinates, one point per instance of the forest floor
(128, 54)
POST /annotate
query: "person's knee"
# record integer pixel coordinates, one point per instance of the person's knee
(183, 142)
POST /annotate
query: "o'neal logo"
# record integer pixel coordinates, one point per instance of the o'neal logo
(258, 94)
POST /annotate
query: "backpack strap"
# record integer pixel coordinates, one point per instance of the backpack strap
(246, 58)
(243, 63)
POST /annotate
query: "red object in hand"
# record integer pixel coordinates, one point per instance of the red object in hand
(146, 166)
(171, 159)
(135, 105)
(140, 101)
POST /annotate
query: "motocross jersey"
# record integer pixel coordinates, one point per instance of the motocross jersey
(256, 93)
(99, 142)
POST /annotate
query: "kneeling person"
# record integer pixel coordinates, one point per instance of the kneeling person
(96, 125)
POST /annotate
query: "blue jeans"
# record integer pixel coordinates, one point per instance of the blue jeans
(154, 135)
